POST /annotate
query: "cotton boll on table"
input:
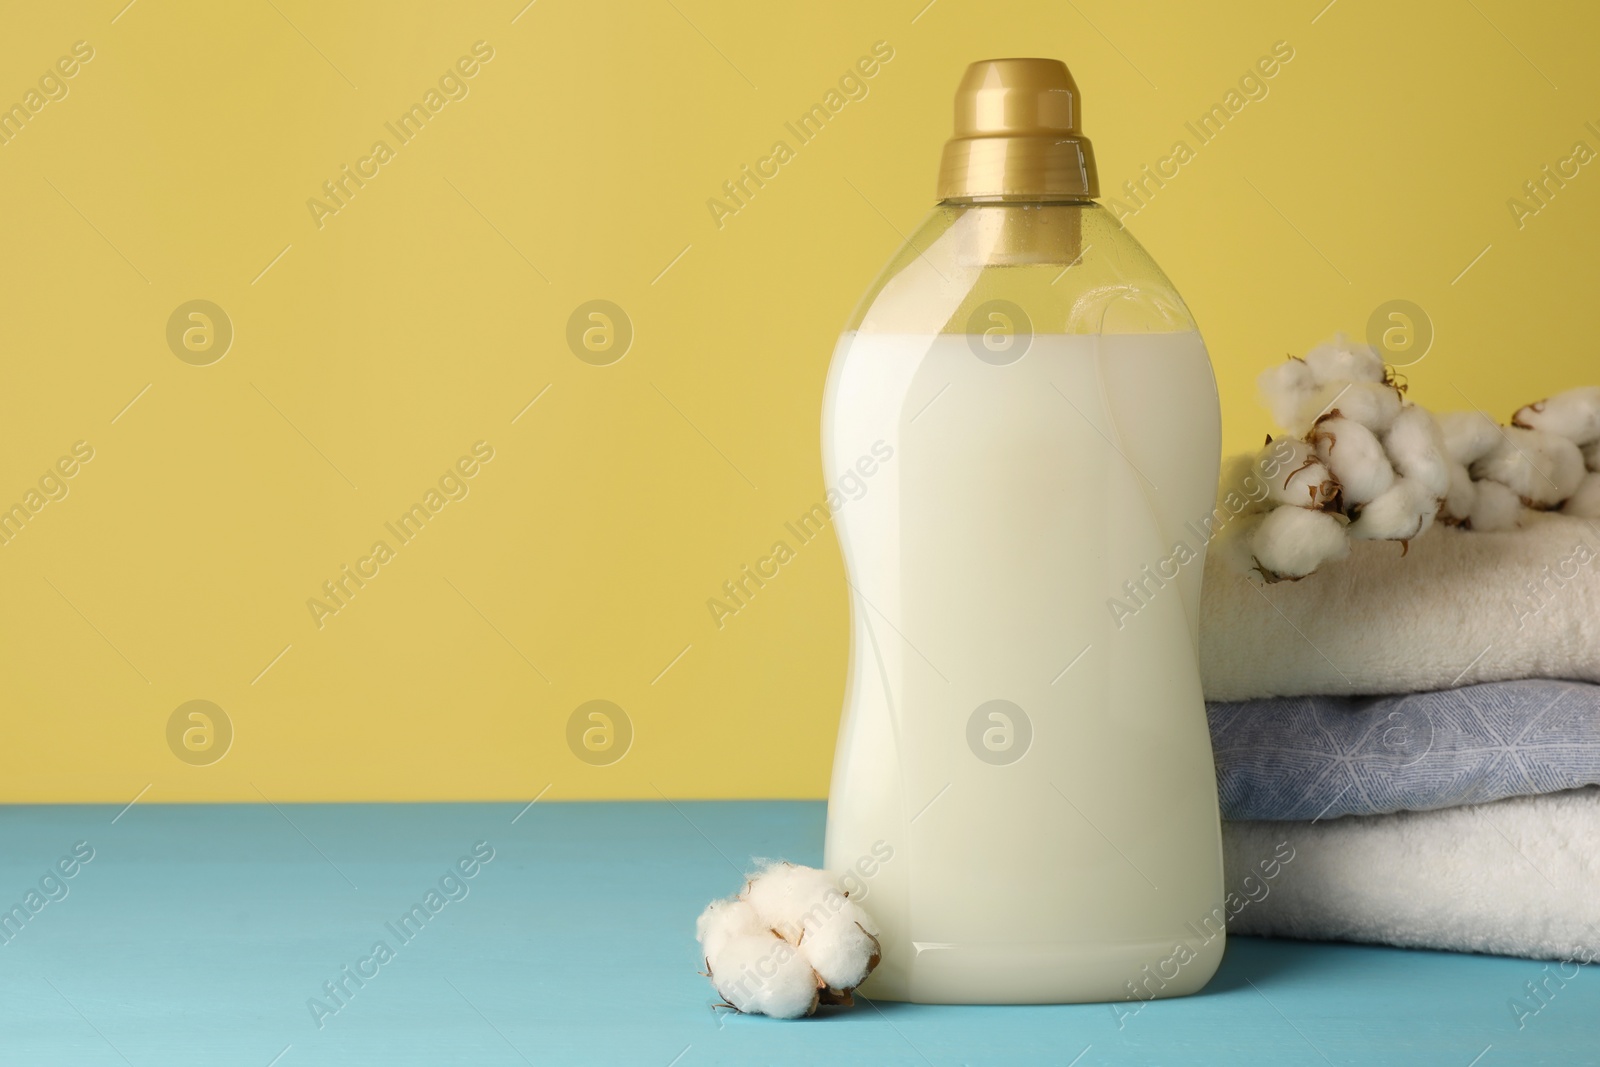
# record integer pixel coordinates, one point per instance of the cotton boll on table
(751, 967)
(803, 906)
(842, 953)
(790, 941)
(783, 893)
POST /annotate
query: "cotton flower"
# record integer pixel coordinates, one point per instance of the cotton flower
(727, 920)
(1360, 463)
(1463, 493)
(1355, 457)
(1468, 435)
(1290, 542)
(1415, 445)
(843, 953)
(1585, 503)
(1495, 508)
(1372, 404)
(1574, 414)
(789, 941)
(752, 968)
(805, 907)
(1402, 513)
(1285, 388)
(1541, 468)
(783, 893)
(1299, 477)
(1343, 360)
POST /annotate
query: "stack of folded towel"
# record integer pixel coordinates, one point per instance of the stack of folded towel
(1423, 729)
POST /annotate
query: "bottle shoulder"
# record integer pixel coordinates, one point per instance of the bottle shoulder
(1067, 268)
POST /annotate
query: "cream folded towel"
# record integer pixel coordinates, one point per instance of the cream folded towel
(1518, 877)
(1456, 609)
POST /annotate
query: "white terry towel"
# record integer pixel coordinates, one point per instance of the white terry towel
(1518, 877)
(1457, 609)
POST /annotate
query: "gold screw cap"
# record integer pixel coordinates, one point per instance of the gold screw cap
(1016, 135)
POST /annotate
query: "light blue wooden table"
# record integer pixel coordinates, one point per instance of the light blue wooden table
(197, 935)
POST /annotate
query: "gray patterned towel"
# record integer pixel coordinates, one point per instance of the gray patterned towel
(1309, 758)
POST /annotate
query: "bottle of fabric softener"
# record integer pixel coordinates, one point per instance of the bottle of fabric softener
(1023, 731)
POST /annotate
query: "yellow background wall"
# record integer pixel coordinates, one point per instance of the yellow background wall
(374, 350)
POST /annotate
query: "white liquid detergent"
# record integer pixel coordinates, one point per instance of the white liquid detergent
(1033, 758)
(1007, 733)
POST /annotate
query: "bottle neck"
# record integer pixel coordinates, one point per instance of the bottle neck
(1018, 233)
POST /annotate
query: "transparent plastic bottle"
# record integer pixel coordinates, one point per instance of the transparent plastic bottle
(1023, 784)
